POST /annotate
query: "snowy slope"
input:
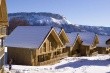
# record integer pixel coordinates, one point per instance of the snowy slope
(41, 18)
(95, 64)
(96, 29)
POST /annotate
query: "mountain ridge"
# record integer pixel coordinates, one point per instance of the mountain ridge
(57, 20)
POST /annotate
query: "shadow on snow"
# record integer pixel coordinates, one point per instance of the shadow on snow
(85, 62)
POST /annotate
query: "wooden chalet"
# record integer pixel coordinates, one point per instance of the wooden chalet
(74, 45)
(3, 29)
(34, 45)
(89, 42)
(65, 40)
(103, 47)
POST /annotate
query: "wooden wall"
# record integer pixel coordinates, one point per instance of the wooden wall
(75, 49)
(84, 50)
(20, 56)
(62, 39)
(101, 50)
(49, 45)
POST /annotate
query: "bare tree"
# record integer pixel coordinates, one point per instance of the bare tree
(14, 22)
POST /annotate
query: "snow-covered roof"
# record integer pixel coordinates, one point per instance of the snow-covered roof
(102, 41)
(27, 36)
(87, 37)
(72, 37)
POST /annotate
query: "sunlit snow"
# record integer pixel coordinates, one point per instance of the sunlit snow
(95, 64)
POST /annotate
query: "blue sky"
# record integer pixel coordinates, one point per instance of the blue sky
(84, 12)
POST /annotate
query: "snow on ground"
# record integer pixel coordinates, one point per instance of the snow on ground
(95, 64)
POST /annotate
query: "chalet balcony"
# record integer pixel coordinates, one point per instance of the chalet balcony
(1, 57)
(1, 51)
(53, 60)
(3, 31)
(62, 55)
(92, 47)
(2, 35)
(94, 53)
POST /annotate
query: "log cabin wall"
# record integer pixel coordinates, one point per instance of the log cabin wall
(20, 56)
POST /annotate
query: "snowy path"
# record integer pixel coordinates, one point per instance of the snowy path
(96, 64)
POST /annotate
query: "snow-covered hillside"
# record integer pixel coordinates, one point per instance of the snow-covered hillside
(95, 64)
(45, 19)
(41, 18)
(96, 29)
(57, 20)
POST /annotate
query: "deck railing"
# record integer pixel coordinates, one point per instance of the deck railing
(1, 57)
(54, 60)
(1, 51)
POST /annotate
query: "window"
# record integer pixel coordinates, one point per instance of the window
(41, 50)
(0, 30)
(1, 42)
(3, 30)
(44, 47)
(65, 50)
(40, 58)
(0, 14)
(58, 51)
(62, 39)
(49, 46)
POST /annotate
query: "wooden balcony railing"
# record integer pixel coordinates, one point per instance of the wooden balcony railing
(53, 60)
(1, 51)
(2, 35)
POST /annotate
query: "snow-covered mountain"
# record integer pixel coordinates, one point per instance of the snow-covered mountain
(41, 18)
(50, 19)
(45, 19)
(96, 29)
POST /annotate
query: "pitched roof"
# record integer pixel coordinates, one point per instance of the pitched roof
(27, 36)
(60, 31)
(102, 40)
(72, 38)
(86, 37)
